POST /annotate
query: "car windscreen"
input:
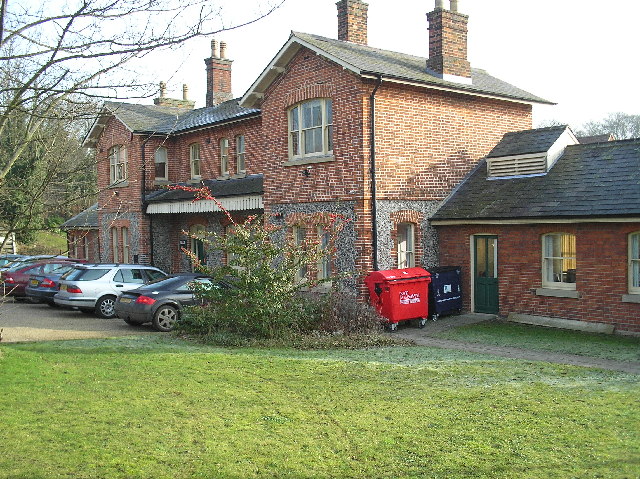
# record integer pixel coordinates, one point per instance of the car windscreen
(85, 274)
(61, 269)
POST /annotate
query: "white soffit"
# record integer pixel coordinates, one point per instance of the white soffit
(236, 203)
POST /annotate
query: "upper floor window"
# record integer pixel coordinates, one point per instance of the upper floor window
(194, 159)
(117, 163)
(241, 166)
(224, 156)
(634, 263)
(559, 260)
(311, 129)
(406, 245)
(160, 159)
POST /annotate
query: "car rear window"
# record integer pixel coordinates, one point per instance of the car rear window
(86, 274)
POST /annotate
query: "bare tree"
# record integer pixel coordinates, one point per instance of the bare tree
(620, 125)
(58, 60)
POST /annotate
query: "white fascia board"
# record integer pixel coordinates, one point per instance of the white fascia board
(429, 86)
(531, 221)
(280, 61)
(235, 203)
(557, 149)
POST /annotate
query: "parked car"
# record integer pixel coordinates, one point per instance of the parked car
(9, 258)
(94, 288)
(15, 279)
(160, 303)
(23, 260)
(41, 288)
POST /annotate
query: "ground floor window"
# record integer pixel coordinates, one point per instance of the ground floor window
(114, 245)
(406, 245)
(197, 233)
(634, 263)
(559, 260)
(324, 265)
(299, 235)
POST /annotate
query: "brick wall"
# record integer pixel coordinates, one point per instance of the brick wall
(601, 279)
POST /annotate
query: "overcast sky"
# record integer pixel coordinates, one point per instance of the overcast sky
(580, 54)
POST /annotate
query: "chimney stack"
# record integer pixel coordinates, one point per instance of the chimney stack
(352, 21)
(448, 43)
(163, 100)
(218, 75)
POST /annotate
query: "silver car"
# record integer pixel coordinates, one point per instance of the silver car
(94, 288)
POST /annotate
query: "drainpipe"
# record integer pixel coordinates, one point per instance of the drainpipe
(144, 200)
(372, 171)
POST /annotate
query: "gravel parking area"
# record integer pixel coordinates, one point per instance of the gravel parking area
(39, 322)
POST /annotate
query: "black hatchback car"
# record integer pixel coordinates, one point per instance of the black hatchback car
(160, 302)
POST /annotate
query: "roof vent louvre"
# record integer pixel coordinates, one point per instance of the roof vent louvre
(517, 166)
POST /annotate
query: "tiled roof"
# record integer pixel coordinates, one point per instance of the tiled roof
(596, 138)
(87, 219)
(250, 185)
(593, 180)
(165, 120)
(529, 141)
(411, 68)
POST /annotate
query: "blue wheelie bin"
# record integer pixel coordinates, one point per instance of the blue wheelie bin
(445, 292)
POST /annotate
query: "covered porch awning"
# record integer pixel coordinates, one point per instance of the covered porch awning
(237, 203)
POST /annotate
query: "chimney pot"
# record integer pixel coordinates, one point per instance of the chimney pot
(185, 92)
(439, 4)
(223, 50)
(163, 89)
(214, 49)
(454, 5)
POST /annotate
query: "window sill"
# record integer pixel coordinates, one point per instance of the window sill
(558, 293)
(119, 184)
(310, 160)
(195, 181)
(631, 298)
(158, 182)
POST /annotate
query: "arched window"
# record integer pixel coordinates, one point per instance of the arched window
(559, 260)
(634, 263)
(160, 160)
(311, 129)
(117, 163)
(224, 156)
(194, 160)
(406, 245)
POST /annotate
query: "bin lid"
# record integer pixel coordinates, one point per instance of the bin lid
(397, 274)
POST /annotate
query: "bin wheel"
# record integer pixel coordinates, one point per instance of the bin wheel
(393, 327)
(435, 316)
(422, 322)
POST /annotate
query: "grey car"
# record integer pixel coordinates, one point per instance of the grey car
(94, 288)
(160, 303)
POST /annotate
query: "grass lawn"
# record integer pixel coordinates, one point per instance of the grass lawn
(607, 346)
(159, 407)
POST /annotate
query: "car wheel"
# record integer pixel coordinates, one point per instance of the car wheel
(165, 318)
(105, 307)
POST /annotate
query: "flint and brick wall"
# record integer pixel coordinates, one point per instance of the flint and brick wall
(601, 277)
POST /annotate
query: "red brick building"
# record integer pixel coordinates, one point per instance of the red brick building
(330, 126)
(546, 228)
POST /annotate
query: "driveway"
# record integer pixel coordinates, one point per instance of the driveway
(40, 322)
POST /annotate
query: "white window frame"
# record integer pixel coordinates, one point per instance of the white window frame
(299, 236)
(224, 156)
(634, 263)
(124, 231)
(241, 165)
(324, 264)
(406, 240)
(117, 163)
(195, 160)
(559, 279)
(161, 157)
(198, 230)
(299, 128)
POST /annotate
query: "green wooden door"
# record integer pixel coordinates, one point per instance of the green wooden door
(485, 272)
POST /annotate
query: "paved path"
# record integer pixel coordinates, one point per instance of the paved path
(39, 322)
(425, 337)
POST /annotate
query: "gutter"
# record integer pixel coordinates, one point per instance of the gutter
(372, 171)
(143, 197)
